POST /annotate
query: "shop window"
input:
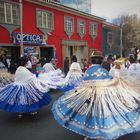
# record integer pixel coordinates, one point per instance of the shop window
(69, 25)
(81, 27)
(93, 29)
(9, 13)
(44, 19)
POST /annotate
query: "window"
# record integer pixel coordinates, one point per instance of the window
(93, 29)
(44, 19)
(15, 12)
(81, 27)
(69, 24)
(2, 16)
(9, 13)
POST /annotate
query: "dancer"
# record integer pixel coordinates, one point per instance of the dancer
(5, 78)
(74, 76)
(25, 94)
(51, 75)
(134, 70)
(102, 107)
(119, 68)
(54, 79)
(48, 66)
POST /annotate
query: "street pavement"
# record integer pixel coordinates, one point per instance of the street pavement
(40, 127)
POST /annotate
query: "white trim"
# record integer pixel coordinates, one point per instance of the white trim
(81, 28)
(5, 13)
(69, 24)
(92, 30)
(46, 14)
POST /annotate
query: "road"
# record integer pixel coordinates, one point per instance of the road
(40, 127)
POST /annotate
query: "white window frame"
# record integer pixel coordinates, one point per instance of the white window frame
(81, 27)
(2, 12)
(93, 29)
(69, 24)
(44, 20)
(16, 17)
(5, 12)
(46, 14)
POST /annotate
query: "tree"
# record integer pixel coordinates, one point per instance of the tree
(130, 32)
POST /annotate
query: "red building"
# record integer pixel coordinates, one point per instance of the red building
(49, 30)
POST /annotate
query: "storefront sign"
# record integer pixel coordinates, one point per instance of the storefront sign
(28, 38)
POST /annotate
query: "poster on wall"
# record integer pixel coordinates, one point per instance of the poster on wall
(29, 50)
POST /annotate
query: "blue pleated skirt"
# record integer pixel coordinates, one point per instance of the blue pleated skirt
(99, 111)
(71, 82)
(23, 98)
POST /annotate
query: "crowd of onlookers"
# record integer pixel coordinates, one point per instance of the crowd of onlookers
(33, 62)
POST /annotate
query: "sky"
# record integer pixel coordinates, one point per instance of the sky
(83, 5)
(110, 9)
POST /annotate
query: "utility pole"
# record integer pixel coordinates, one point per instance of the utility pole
(121, 46)
(21, 30)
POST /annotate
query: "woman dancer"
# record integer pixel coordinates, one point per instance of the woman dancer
(102, 107)
(5, 78)
(74, 76)
(134, 70)
(25, 94)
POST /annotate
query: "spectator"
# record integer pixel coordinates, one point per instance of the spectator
(85, 65)
(66, 65)
(108, 63)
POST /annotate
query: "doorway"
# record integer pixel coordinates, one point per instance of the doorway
(46, 52)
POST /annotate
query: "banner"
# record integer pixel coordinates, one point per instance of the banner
(28, 38)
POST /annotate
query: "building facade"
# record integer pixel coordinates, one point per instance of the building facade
(49, 29)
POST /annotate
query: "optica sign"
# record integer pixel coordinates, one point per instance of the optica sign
(28, 38)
